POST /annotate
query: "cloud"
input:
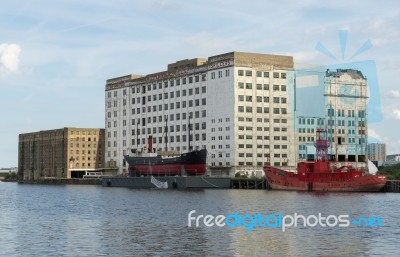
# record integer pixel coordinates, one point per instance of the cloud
(375, 135)
(9, 57)
(394, 94)
(396, 113)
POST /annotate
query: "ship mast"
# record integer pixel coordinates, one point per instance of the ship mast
(321, 145)
(166, 132)
(189, 132)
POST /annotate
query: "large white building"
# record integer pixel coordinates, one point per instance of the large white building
(239, 107)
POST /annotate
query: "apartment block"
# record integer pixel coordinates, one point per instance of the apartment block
(377, 153)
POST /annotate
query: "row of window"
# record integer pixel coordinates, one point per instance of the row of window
(261, 163)
(171, 94)
(160, 140)
(219, 74)
(213, 138)
(266, 120)
(83, 132)
(167, 95)
(196, 102)
(260, 155)
(83, 152)
(259, 74)
(242, 85)
(77, 158)
(276, 138)
(83, 145)
(196, 78)
(304, 130)
(220, 120)
(171, 117)
(306, 139)
(165, 84)
(89, 139)
(262, 109)
(261, 99)
(310, 121)
(251, 146)
(83, 165)
(220, 155)
(220, 164)
(250, 128)
(350, 113)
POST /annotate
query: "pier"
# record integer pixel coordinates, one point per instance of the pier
(392, 186)
(256, 183)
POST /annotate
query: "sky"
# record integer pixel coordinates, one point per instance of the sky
(55, 56)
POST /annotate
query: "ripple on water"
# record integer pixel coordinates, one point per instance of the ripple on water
(38, 220)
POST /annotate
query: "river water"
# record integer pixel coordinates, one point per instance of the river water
(72, 220)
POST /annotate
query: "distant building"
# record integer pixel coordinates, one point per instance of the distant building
(239, 106)
(344, 117)
(377, 152)
(61, 153)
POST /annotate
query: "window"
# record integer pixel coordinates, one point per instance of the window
(259, 74)
(249, 73)
(276, 87)
(249, 86)
(240, 72)
(266, 74)
(276, 75)
(241, 85)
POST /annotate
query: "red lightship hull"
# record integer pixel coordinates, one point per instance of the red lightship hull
(325, 180)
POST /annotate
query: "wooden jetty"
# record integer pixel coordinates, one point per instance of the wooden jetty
(244, 183)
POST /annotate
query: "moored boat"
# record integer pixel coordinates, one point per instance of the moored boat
(192, 163)
(319, 175)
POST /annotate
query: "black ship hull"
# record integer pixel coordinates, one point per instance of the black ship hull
(193, 164)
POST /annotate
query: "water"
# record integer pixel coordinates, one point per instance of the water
(43, 220)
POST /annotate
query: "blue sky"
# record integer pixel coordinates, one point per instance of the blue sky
(55, 56)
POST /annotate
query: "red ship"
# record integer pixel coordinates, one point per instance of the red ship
(320, 176)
